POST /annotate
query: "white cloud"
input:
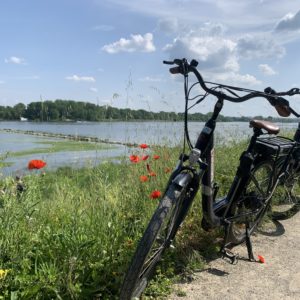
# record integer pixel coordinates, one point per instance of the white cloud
(239, 14)
(212, 52)
(135, 43)
(259, 46)
(235, 78)
(81, 78)
(15, 60)
(168, 25)
(266, 70)
(94, 90)
(289, 22)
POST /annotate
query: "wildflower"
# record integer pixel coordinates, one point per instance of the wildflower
(3, 273)
(145, 157)
(134, 158)
(143, 178)
(155, 157)
(155, 194)
(152, 174)
(36, 164)
(144, 146)
(129, 243)
(261, 259)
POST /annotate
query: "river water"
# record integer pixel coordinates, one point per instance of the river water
(159, 133)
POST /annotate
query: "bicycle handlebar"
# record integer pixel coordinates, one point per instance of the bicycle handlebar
(281, 105)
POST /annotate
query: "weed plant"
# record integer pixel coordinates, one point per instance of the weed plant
(71, 233)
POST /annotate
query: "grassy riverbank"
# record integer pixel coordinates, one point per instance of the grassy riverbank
(71, 233)
(60, 146)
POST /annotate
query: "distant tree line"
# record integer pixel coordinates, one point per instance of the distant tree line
(69, 110)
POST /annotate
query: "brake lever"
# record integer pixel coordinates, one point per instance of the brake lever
(166, 62)
(293, 91)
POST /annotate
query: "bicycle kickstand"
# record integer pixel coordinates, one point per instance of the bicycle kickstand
(249, 243)
(226, 253)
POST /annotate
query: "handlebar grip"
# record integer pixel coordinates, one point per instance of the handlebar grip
(175, 70)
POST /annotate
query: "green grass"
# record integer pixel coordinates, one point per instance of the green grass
(71, 233)
(60, 146)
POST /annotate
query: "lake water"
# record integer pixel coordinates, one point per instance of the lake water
(159, 133)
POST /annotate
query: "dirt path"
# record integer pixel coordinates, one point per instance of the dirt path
(277, 278)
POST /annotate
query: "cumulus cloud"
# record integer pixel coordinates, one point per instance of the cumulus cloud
(168, 25)
(289, 22)
(235, 78)
(15, 60)
(259, 46)
(212, 52)
(266, 70)
(135, 43)
(81, 78)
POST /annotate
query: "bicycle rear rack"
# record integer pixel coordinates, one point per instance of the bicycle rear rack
(274, 146)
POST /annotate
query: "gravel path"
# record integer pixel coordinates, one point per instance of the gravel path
(277, 278)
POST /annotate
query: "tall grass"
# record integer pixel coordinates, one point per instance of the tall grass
(71, 233)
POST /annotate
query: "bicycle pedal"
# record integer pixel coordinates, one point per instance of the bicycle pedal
(229, 256)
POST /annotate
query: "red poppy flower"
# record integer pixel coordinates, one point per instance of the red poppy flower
(144, 178)
(155, 194)
(134, 158)
(261, 259)
(145, 157)
(152, 174)
(144, 146)
(36, 164)
(155, 157)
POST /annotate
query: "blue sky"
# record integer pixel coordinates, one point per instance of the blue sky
(111, 51)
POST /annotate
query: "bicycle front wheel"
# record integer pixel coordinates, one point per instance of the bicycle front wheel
(250, 206)
(286, 198)
(158, 236)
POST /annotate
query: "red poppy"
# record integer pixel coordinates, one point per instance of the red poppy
(155, 194)
(156, 157)
(261, 259)
(152, 174)
(144, 178)
(36, 164)
(144, 146)
(134, 158)
(145, 157)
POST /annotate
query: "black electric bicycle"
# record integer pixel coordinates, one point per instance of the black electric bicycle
(269, 162)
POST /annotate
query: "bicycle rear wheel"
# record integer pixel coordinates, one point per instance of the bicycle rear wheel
(286, 198)
(158, 236)
(250, 206)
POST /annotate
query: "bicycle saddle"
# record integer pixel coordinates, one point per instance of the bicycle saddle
(270, 127)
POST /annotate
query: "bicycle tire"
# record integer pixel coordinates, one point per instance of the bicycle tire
(165, 220)
(251, 201)
(286, 198)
